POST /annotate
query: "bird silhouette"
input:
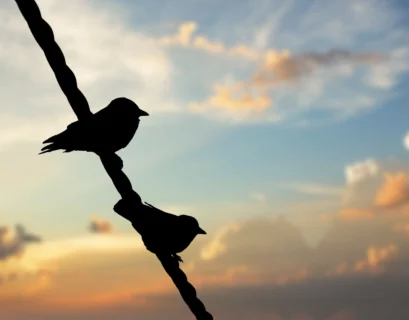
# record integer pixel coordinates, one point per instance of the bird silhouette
(105, 132)
(161, 232)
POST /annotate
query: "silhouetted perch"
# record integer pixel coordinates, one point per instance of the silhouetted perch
(44, 36)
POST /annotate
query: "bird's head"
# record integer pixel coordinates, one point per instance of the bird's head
(128, 104)
(191, 224)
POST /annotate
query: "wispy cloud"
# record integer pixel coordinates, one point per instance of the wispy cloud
(49, 253)
(185, 37)
(259, 196)
(300, 79)
(283, 68)
(353, 214)
(316, 189)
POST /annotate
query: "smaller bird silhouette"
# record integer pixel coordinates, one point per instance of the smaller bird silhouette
(161, 232)
(106, 131)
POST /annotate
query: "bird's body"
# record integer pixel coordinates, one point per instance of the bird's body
(162, 232)
(106, 131)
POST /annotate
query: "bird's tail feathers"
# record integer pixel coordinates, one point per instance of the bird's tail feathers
(50, 148)
(56, 142)
(52, 139)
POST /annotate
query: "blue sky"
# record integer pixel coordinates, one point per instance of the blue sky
(183, 157)
(228, 160)
(258, 110)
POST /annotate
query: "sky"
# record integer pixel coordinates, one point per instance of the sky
(282, 126)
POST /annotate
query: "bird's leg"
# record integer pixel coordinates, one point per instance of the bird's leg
(177, 257)
(112, 158)
(118, 161)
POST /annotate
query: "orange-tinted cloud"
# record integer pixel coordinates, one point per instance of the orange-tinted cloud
(278, 67)
(394, 192)
(244, 51)
(257, 254)
(182, 37)
(374, 261)
(218, 245)
(376, 257)
(98, 225)
(281, 67)
(14, 244)
(185, 37)
(205, 44)
(355, 214)
(233, 99)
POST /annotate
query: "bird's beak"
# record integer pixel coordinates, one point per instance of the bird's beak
(201, 231)
(143, 113)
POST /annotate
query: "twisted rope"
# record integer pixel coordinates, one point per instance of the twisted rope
(44, 36)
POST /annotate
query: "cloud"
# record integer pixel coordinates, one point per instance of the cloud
(208, 46)
(394, 192)
(281, 67)
(366, 179)
(98, 225)
(50, 256)
(251, 244)
(359, 171)
(58, 249)
(230, 103)
(182, 37)
(316, 189)
(406, 141)
(185, 38)
(376, 257)
(218, 246)
(259, 196)
(321, 67)
(13, 245)
(274, 250)
(362, 180)
(248, 263)
(129, 63)
(355, 214)
(281, 74)
(247, 98)
(384, 74)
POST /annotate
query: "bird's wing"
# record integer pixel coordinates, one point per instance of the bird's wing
(106, 113)
(159, 215)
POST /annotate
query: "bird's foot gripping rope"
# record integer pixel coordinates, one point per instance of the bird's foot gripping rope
(177, 258)
(44, 36)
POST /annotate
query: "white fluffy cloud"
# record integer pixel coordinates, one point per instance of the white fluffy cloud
(359, 171)
(406, 141)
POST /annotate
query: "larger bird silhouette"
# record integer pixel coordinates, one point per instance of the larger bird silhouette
(106, 131)
(162, 232)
